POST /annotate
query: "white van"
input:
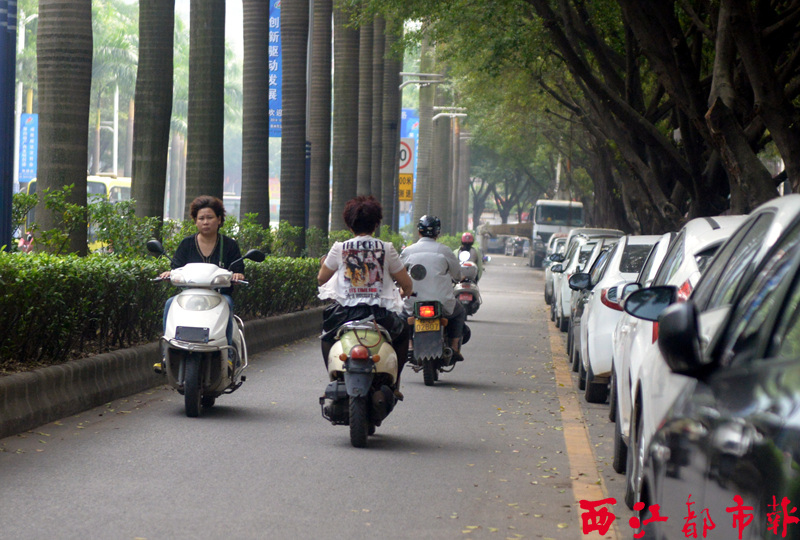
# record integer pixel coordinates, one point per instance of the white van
(549, 217)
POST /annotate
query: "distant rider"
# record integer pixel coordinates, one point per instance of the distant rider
(475, 256)
(442, 268)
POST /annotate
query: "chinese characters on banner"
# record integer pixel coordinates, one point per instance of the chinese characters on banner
(28, 146)
(275, 71)
(596, 517)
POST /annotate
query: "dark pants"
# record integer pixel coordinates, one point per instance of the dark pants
(336, 315)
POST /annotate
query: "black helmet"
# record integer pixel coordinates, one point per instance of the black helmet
(429, 226)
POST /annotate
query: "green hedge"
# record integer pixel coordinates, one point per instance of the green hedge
(54, 309)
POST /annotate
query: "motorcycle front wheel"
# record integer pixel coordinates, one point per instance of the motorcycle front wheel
(359, 425)
(191, 387)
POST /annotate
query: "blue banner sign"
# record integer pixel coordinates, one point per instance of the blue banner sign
(275, 70)
(409, 123)
(28, 146)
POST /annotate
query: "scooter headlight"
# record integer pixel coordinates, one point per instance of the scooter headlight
(199, 302)
(221, 281)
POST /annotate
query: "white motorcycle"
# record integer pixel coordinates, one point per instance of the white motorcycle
(466, 290)
(198, 361)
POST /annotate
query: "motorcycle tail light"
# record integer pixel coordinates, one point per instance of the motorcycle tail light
(608, 301)
(359, 352)
(427, 312)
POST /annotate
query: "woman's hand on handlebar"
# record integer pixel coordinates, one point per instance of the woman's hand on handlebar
(237, 277)
(164, 275)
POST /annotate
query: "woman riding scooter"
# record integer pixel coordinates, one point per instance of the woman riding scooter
(364, 269)
(209, 246)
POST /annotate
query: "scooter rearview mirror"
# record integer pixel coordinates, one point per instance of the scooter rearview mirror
(255, 255)
(155, 248)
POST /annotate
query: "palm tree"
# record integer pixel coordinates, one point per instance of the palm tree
(64, 65)
(154, 106)
(345, 116)
(378, 46)
(294, 44)
(255, 113)
(319, 124)
(422, 194)
(365, 109)
(205, 166)
(390, 120)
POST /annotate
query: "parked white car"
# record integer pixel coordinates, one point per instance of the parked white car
(580, 246)
(592, 343)
(557, 244)
(688, 256)
(721, 284)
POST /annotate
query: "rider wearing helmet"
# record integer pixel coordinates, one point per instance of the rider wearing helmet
(442, 268)
(475, 256)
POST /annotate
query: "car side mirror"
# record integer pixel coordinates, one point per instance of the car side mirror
(557, 257)
(649, 303)
(557, 268)
(579, 282)
(626, 289)
(679, 339)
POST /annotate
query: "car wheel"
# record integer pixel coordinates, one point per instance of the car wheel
(595, 392)
(570, 341)
(548, 298)
(620, 448)
(552, 310)
(563, 324)
(633, 465)
(612, 397)
(581, 374)
(575, 359)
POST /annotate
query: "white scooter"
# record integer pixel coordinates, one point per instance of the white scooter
(198, 361)
(466, 290)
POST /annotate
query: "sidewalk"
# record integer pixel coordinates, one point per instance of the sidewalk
(33, 398)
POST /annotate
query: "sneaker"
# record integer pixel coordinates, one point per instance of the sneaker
(398, 395)
(457, 357)
(158, 367)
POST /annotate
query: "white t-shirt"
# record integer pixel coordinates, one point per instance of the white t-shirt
(364, 266)
(442, 268)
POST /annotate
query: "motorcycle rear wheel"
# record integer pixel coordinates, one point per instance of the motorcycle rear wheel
(359, 424)
(428, 372)
(192, 392)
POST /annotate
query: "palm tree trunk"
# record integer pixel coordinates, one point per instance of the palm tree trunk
(129, 140)
(319, 125)
(205, 167)
(378, 46)
(294, 36)
(390, 132)
(345, 116)
(154, 99)
(365, 109)
(95, 168)
(422, 195)
(64, 65)
(255, 112)
(440, 168)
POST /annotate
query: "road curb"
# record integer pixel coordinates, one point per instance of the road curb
(34, 398)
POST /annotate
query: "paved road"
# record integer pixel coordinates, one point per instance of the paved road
(499, 448)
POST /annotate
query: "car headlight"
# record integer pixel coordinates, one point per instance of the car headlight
(221, 281)
(199, 302)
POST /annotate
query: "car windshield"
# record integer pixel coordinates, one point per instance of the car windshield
(559, 215)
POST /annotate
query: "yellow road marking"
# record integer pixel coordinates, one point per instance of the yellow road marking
(587, 484)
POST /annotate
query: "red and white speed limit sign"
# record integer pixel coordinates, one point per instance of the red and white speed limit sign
(407, 155)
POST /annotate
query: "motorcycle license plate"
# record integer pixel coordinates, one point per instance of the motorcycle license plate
(465, 297)
(426, 326)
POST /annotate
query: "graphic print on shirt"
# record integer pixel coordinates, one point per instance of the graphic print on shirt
(363, 275)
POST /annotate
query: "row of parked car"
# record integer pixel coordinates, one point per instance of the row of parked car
(693, 338)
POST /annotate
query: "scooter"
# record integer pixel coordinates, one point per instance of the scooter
(362, 368)
(198, 361)
(466, 290)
